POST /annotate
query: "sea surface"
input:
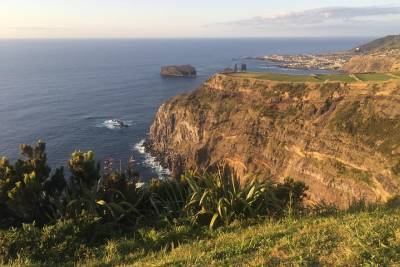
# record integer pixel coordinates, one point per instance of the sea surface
(64, 91)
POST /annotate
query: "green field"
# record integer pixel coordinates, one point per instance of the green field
(367, 77)
(279, 77)
(336, 77)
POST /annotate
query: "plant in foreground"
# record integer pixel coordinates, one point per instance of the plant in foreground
(219, 198)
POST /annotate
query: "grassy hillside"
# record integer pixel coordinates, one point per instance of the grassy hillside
(380, 45)
(369, 238)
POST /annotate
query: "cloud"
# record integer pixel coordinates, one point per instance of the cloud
(40, 29)
(319, 17)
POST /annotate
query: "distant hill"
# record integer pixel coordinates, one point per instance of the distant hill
(380, 55)
(380, 45)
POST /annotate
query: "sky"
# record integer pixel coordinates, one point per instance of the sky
(201, 18)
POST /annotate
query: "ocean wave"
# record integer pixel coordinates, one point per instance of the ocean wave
(151, 161)
(109, 124)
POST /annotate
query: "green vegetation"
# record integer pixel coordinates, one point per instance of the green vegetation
(352, 173)
(106, 219)
(373, 77)
(336, 77)
(279, 77)
(218, 200)
(51, 216)
(364, 237)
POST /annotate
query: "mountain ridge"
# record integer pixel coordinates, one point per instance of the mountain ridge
(379, 45)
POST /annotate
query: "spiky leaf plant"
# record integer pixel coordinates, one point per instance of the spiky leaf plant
(219, 198)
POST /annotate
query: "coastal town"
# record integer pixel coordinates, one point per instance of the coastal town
(322, 62)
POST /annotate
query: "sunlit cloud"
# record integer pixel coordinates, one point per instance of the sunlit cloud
(317, 17)
(40, 29)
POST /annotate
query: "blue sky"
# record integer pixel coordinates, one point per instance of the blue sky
(205, 18)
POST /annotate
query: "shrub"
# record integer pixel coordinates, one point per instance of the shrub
(290, 195)
(85, 172)
(218, 198)
(168, 197)
(28, 190)
(114, 196)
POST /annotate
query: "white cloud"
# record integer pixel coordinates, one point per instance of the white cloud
(318, 17)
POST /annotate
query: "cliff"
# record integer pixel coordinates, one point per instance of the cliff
(341, 139)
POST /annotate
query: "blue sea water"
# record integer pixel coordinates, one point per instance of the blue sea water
(62, 91)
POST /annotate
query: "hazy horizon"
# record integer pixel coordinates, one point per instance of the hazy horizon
(138, 19)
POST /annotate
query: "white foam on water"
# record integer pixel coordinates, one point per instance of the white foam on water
(111, 125)
(151, 161)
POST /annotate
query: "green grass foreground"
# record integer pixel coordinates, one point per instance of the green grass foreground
(359, 238)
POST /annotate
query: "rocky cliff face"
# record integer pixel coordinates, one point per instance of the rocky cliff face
(342, 140)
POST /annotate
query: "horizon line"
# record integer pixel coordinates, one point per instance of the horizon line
(193, 38)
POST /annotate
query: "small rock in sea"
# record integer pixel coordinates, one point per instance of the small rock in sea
(178, 71)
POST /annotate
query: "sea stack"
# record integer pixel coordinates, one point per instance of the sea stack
(178, 71)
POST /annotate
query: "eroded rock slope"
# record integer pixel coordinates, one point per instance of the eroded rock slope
(342, 140)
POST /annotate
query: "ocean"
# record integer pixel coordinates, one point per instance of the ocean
(64, 91)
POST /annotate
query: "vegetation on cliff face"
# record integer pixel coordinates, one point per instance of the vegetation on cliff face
(341, 139)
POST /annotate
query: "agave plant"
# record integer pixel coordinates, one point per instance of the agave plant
(219, 198)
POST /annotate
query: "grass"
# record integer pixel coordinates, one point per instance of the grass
(280, 77)
(367, 77)
(359, 238)
(336, 77)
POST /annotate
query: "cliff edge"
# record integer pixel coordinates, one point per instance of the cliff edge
(341, 139)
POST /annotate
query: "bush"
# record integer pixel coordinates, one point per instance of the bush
(168, 198)
(28, 190)
(218, 198)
